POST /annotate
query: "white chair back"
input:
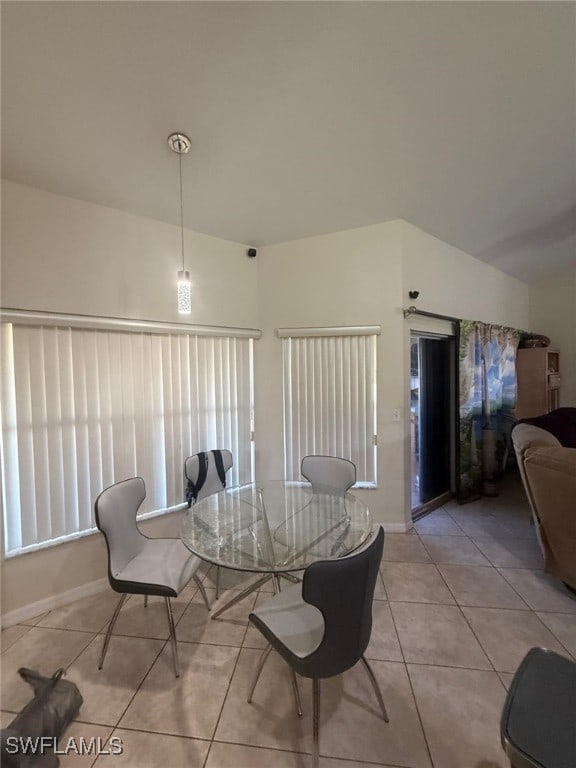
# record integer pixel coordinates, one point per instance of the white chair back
(115, 512)
(329, 472)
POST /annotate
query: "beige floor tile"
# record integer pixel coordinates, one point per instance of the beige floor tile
(11, 634)
(90, 614)
(507, 635)
(511, 553)
(476, 585)
(351, 726)
(238, 756)
(150, 750)
(404, 548)
(70, 742)
(460, 710)
(483, 521)
(453, 549)
(108, 691)
(384, 643)
(541, 591)
(188, 705)
(34, 620)
(563, 626)
(197, 625)
(380, 590)
(229, 579)
(437, 634)
(506, 678)
(415, 582)
(438, 523)
(137, 621)
(43, 650)
(6, 718)
(253, 637)
(271, 719)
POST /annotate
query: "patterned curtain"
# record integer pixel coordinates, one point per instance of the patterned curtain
(487, 368)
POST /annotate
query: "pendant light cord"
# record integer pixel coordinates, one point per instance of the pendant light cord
(181, 209)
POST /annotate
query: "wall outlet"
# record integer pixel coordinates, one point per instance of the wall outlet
(396, 414)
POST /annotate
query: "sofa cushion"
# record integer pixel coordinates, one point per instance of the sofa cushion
(550, 475)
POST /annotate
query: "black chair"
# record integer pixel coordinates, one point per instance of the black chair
(322, 627)
(538, 725)
(205, 474)
(138, 565)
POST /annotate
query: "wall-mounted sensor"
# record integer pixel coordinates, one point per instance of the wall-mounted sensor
(413, 294)
(251, 252)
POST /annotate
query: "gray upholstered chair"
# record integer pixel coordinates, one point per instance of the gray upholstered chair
(205, 474)
(138, 565)
(322, 627)
(537, 723)
(329, 472)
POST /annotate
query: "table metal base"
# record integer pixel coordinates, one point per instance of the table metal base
(275, 577)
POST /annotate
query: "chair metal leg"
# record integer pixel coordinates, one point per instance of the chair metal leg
(217, 582)
(259, 668)
(172, 635)
(296, 693)
(316, 723)
(110, 628)
(376, 687)
(202, 592)
(290, 577)
(145, 601)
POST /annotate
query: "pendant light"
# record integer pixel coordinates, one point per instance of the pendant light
(180, 143)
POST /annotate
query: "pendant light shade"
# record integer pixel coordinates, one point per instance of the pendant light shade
(180, 143)
(184, 292)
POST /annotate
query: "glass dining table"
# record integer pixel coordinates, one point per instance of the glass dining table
(273, 529)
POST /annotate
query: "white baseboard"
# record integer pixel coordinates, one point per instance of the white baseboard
(32, 610)
(396, 527)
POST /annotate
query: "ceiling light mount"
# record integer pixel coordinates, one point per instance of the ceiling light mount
(179, 143)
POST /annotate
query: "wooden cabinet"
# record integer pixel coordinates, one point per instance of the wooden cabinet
(538, 381)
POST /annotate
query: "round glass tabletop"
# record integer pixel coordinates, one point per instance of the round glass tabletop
(275, 526)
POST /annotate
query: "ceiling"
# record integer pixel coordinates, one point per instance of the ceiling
(305, 117)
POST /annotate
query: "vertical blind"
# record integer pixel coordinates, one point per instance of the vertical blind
(330, 399)
(84, 408)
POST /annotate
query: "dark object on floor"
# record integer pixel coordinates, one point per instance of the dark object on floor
(561, 423)
(537, 725)
(55, 704)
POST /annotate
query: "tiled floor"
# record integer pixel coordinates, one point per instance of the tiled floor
(463, 598)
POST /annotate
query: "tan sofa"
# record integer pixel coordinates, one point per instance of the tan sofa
(548, 472)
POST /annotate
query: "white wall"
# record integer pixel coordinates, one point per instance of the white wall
(453, 283)
(65, 255)
(347, 278)
(553, 313)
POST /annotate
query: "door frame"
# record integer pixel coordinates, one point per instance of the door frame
(442, 330)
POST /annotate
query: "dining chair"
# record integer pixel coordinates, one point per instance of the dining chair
(328, 471)
(205, 474)
(537, 722)
(138, 565)
(322, 627)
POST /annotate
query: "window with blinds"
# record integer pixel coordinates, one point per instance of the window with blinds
(83, 408)
(330, 397)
